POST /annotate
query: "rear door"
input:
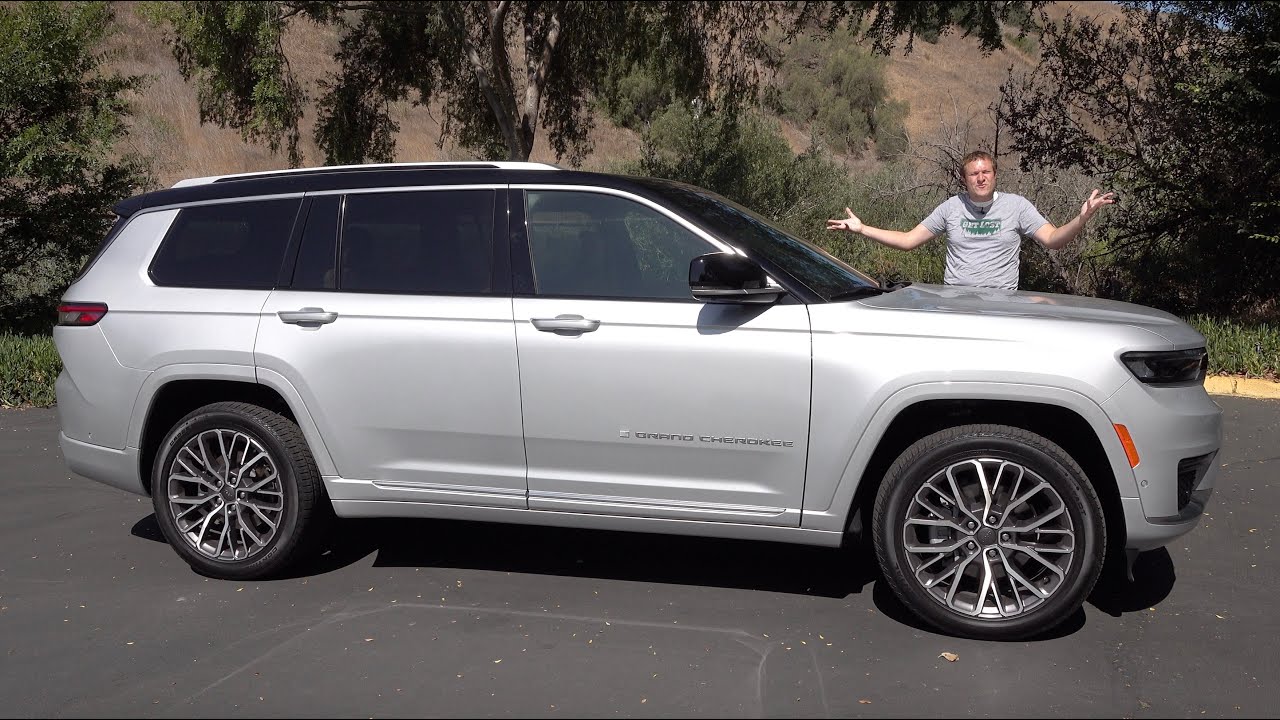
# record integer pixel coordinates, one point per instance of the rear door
(397, 332)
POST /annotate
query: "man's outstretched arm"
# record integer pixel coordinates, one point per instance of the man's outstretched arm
(1055, 237)
(909, 240)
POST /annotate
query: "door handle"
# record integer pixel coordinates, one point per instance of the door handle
(307, 315)
(565, 324)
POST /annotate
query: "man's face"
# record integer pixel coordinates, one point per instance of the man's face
(980, 180)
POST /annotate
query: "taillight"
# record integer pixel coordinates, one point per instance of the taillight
(81, 314)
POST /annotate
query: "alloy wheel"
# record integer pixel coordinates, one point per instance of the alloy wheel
(225, 495)
(989, 538)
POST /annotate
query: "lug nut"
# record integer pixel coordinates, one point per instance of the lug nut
(1004, 537)
(992, 552)
(993, 519)
(972, 524)
(972, 545)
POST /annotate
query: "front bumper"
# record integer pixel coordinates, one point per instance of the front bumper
(1146, 533)
(1177, 432)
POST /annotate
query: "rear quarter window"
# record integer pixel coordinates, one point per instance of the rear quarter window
(228, 245)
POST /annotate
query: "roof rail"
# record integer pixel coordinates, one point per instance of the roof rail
(497, 164)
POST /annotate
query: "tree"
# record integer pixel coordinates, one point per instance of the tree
(60, 116)
(1174, 106)
(746, 158)
(502, 70)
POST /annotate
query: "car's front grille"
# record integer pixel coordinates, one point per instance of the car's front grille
(1190, 472)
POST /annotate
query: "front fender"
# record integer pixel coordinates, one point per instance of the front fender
(827, 503)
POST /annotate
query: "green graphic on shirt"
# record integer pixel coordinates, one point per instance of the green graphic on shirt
(980, 227)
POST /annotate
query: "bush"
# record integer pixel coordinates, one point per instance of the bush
(28, 368)
(838, 91)
(1235, 349)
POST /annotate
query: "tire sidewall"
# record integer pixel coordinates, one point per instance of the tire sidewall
(902, 483)
(203, 420)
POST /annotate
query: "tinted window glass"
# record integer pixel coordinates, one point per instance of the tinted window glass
(232, 245)
(316, 269)
(587, 244)
(413, 242)
(811, 265)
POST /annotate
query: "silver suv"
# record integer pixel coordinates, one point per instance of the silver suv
(514, 342)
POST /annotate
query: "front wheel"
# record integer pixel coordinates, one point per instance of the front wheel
(236, 491)
(989, 532)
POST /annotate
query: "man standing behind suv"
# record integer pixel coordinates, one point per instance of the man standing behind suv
(983, 227)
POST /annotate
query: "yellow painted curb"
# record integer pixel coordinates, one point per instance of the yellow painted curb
(1244, 387)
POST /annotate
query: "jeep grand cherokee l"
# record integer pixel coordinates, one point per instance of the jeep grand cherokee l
(514, 342)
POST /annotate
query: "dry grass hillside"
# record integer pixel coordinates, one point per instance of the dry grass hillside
(945, 83)
(951, 80)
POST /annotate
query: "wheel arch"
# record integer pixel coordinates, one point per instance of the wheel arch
(175, 390)
(1069, 419)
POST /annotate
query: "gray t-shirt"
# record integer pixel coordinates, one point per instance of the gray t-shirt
(982, 247)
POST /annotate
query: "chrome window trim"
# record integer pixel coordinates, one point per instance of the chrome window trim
(715, 242)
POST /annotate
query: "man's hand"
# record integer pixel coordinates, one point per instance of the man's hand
(852, 223)
(1090, 206)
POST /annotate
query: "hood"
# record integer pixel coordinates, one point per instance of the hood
(990, 302)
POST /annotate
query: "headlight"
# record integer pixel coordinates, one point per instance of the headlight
(1168, 367)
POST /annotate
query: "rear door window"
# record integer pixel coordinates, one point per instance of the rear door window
(227, 245)
(316, 268)
(438, 241)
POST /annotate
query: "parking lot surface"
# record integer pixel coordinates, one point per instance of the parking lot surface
(98, 617)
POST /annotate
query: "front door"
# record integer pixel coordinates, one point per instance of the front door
(637, 399)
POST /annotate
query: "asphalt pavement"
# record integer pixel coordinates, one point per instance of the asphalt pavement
(98, 617)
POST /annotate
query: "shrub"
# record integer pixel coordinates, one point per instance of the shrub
(1236, 349)
(29, 365)
(838, 91)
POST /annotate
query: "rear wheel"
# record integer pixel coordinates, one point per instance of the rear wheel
(236, 491)
(988, 531)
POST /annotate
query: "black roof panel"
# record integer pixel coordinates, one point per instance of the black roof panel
(320, 180)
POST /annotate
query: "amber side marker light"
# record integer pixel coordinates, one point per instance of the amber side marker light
(1129, 449)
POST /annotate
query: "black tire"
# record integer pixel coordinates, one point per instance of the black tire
(299, 521)
(1028, 614)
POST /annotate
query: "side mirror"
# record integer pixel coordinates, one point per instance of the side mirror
(728, 278)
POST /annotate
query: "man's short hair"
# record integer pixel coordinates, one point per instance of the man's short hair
(977, 155)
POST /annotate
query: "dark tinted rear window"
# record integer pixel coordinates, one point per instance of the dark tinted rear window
(438, 241)
(230, 245)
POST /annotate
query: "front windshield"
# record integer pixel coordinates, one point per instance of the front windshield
(820, 271)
